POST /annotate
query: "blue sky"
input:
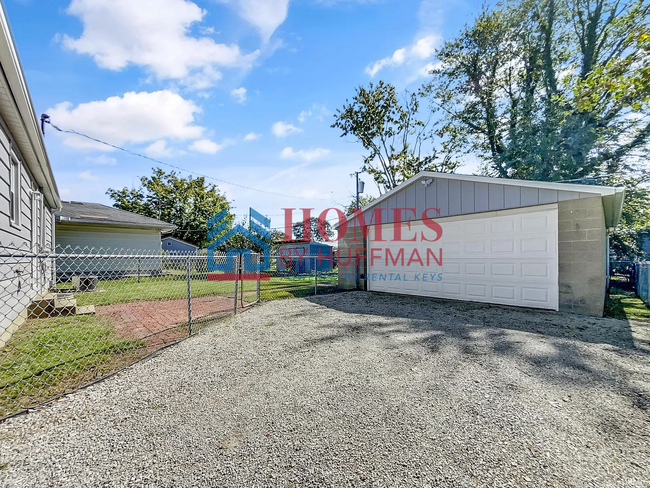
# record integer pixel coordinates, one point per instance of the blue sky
(240, 90)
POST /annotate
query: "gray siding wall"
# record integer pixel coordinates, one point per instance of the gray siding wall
(456, 197)
(21, 278)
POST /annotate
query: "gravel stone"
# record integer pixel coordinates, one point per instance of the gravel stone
(358, 389)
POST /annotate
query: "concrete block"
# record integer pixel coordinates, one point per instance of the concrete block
(596, 235)
(573, 235)
(596, 213)
(573, 214)
(590, 248)
(588, 224)
(568, 225)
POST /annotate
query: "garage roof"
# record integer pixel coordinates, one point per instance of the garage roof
(457, 194)
(96, 213)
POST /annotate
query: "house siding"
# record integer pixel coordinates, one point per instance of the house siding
(21, 278)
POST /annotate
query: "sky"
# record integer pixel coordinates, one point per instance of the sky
(242, 91)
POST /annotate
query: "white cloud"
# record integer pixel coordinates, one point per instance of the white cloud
(252, 137)
(425, 47)
(159, 149)
(133, 118)
(102, 160)
(282, 129)
(206, 146)
(304, 115)
(304, 155)
(422, 49)
(88, 176)
(239, 94)
(265, 15)
(397, 59)
(154, 34)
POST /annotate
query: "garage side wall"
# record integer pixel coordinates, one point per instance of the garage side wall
(351, 276)
(582, 256)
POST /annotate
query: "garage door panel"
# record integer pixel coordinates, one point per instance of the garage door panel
(508, 260)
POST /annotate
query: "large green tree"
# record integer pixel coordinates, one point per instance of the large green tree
(553, 90)
(187, 203)
(397, 141)
(316, 228)
(550, 90)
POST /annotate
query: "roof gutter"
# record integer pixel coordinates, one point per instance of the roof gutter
(68, 220)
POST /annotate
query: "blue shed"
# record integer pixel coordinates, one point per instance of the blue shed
(172, 245)
(290, 253)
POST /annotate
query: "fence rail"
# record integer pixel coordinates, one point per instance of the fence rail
(78, 314)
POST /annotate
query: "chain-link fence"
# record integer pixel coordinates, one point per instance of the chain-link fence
(74, 316)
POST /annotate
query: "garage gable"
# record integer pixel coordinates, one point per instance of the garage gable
(456, 194)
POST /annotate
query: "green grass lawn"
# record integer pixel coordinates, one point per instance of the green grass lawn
(624, 304)
(174, 287)
(47, 357)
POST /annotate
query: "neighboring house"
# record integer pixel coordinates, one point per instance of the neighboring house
(172, 245)
(28, 192)
(512, 242)
(99, 229)
(290, 253)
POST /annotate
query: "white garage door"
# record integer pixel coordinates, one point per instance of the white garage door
(508, 257)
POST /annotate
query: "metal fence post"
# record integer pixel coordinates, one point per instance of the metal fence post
(259, 277)
(236, 266)
(315, 277)
(189, 295)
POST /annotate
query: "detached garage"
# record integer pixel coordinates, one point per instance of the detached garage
(510, 242)
(92, 228)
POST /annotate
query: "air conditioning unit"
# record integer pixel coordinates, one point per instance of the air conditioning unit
(85, 283)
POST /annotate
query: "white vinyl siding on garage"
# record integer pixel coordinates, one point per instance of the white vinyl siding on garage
(107, 237)
(508, 257)
(110, 240)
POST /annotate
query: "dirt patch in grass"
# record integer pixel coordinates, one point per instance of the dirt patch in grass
(49, 357)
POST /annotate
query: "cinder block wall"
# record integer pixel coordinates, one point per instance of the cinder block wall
(582, 256)
(347, 244)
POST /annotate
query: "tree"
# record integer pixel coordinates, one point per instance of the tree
(363, 201)
(549, 90)
(552, 90)
(187, 203)
(315, 229)
(397, 141)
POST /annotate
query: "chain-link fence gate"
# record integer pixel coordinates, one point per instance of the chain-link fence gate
(72, 317)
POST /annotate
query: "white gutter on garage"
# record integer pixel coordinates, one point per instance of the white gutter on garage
(613, 197)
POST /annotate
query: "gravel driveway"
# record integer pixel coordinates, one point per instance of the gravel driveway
(359, 389)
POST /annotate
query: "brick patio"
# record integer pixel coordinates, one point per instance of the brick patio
(162, 322)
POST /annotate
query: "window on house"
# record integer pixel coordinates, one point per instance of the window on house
(14, 192)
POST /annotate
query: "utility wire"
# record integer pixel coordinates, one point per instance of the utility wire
(45, 119)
